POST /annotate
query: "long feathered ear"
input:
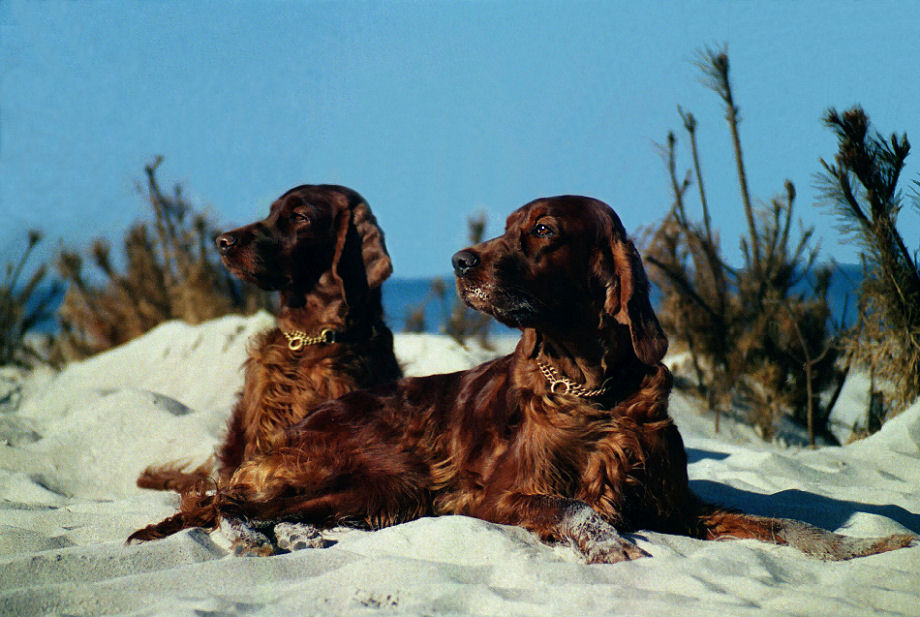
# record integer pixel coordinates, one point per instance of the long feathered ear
(360, 261)
(627, 297)
(377, 262)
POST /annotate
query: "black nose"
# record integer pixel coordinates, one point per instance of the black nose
(225, 242)
(463, 262)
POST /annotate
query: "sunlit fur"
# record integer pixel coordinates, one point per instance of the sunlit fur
(493, 442)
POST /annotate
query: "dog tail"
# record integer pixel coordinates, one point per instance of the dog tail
(177, 477)
(719, 523)
(198, 508)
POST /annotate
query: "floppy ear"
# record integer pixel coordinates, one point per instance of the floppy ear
(360, 260)
(377, 262)
(627, 298)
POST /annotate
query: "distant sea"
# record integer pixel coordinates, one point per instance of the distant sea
(401, 296)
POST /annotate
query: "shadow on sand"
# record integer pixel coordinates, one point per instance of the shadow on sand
(695, 455)
(824, 512)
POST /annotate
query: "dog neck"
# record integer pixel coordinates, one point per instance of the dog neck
(324, 307)
(581, 356)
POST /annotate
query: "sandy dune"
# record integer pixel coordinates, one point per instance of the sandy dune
(71, 445)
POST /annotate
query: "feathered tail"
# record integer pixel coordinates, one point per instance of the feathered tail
(198, 508)
(176, 477)
(719, 523)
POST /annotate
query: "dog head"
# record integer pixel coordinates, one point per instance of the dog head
(563, 263)
(312, 232)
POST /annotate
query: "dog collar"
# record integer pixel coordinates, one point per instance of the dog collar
(298, 339)
(559, 384)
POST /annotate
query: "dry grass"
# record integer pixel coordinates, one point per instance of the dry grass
(752, 335)
(170, 271)
(457, 320)
(21, 308)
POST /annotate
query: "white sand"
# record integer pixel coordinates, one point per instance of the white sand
(71, 445)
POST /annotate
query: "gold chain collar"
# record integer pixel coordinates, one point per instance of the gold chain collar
(298, 339)
(559, 384)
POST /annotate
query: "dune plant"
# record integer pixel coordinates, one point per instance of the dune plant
(861, 186)
(459, 321)
(760, 333)
(169, 269)
(417, 315)
(22, 307)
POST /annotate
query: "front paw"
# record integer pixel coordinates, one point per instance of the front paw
(612, 550)
(597, 539)
(245, 540)
(297, 536)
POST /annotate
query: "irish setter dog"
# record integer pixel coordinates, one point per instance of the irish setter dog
(322, 250)
(569, 436)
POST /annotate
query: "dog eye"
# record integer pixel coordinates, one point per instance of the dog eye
(542, 231)
(299, 217)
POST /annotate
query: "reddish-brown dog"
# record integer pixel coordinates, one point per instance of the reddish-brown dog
(322, 250)
(569, 436)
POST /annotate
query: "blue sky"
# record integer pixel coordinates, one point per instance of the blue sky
(433, 111)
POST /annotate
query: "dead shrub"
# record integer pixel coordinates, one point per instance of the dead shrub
(861, 187)
(22, 307)
(760, 335)
(457, 320)
(170, 271)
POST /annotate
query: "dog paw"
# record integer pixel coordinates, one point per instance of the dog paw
(612, 550)
(244, 540)
(597, 539)
(297, 536)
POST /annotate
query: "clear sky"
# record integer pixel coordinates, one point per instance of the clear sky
(431, 110)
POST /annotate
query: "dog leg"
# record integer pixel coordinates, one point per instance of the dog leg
(561, 519)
